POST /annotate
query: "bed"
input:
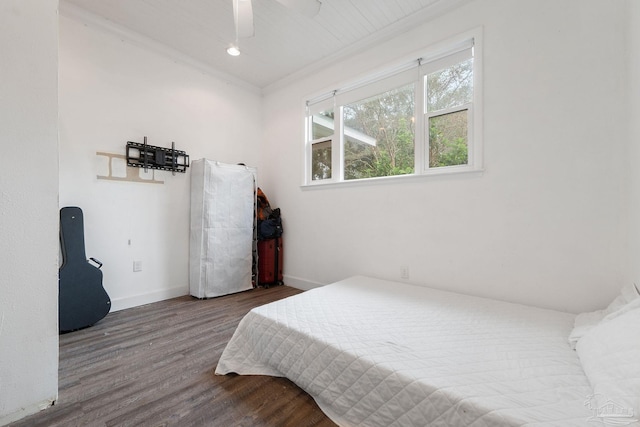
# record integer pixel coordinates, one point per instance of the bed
(379, 353)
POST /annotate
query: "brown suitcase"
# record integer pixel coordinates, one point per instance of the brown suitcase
(270, 262)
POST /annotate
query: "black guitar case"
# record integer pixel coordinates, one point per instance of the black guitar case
(82, 299)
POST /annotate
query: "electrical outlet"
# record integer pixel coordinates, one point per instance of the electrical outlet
(137, 266)
(404, 272)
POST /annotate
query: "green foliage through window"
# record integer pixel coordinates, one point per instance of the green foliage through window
(448, 140)
(379, 135)
(321, 160)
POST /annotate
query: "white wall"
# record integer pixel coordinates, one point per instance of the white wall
(543, 225)
(113, 90)
(29, 207)
(633, 91)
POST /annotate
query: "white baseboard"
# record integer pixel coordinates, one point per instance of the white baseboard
(118, 304)
(300, 283)
(25, 411)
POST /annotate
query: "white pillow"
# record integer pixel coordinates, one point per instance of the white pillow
(583, 324)
(622, 310)
(610, 357)
(585, 321)
(628, 293)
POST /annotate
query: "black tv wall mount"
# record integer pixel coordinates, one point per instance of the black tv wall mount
(152, 157)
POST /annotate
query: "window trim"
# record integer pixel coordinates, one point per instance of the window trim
(430, 60)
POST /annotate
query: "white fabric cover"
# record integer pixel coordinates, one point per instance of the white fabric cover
(586, 321)
(379, 353)
(610, 355)
(221, 228)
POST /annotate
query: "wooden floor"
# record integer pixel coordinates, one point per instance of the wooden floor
(154, 366)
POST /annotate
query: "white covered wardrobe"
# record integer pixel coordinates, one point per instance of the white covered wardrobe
(221, 228)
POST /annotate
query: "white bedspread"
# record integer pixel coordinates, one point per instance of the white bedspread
(380, 353)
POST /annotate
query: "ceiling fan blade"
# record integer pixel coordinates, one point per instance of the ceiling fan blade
(243, 18)
(309, 8)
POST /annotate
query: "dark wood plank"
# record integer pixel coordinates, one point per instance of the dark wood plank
(154, 366)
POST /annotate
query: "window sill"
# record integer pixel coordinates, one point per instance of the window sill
(448, 173)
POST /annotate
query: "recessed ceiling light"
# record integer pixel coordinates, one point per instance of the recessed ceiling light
(233, 51)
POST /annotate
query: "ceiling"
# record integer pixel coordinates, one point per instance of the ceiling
(286, 44)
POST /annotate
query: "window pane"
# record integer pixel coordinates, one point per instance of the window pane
(379, 135)
(321, 160)
(450, 87)
(322, 124)
(448, 140)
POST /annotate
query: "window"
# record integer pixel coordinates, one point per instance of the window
(416, 119)
(378, 134)
(321, 140)
(449, 98)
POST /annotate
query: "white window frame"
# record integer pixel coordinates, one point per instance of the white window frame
(430, 60)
